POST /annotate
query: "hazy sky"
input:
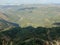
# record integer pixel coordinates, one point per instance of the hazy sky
(28, 1)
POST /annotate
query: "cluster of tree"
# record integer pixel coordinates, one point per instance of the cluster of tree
(30, 36)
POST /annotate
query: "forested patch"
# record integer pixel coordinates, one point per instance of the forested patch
(30, 36)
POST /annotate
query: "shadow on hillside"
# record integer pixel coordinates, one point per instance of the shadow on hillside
(6, 24)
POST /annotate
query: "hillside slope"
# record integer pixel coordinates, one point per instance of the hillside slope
(3, 16)
(6, 25)
(32, 15)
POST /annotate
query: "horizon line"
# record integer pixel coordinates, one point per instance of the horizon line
(34, 4)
